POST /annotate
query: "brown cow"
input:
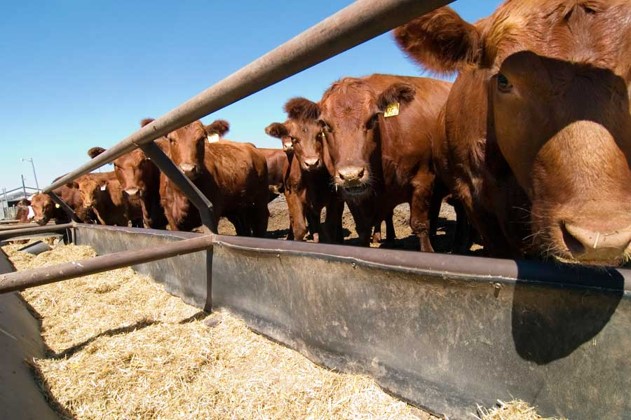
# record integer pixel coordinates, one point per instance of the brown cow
(308, 184)
(140, 180)
(232, 175)
(46, 209)
(537, 125)
(22, 210)
(102, 193)
(377, 132)
(276, 164)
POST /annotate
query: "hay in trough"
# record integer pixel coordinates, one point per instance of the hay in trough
(121, 347)
(514, 410)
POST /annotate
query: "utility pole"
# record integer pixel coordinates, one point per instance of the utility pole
(23, 186)
(5, 205)
(34, 174)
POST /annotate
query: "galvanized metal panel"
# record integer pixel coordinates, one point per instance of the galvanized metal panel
(443, 341)
(20, 341)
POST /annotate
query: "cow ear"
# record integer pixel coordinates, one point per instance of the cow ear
(146, 121)
(95, 151)
(277, 130)
(302, 109)
(395, 95)
(218, 127)
(441, 41)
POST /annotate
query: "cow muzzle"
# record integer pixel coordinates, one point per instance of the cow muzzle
(190, 170)
(132, 191)
(597, 248)
(311, 164)
(353, 180)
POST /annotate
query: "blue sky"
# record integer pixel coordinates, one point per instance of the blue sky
(77, 74)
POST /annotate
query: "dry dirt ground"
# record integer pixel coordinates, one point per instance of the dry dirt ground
(278, 226)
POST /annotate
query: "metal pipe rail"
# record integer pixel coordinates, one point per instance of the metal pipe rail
(36, 277)
(357, 23)
(11, 233)
(15, 224)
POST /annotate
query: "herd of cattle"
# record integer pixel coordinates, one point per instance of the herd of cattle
(531, 144)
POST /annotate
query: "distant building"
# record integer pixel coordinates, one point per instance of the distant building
(9, 200)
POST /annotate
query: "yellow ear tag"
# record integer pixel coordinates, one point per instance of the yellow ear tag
(213, 138)
(57, 206)
(392, 110)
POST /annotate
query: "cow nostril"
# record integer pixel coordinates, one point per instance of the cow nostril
(573, 244)
(351, 174)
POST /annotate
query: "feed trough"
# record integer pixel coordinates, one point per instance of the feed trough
(444, 332)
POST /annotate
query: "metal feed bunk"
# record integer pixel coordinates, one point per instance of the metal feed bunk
(442, 331)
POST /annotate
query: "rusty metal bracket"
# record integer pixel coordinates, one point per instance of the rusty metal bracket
(199, 200)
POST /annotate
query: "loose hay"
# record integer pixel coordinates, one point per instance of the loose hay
(514, 410)
(121, 347)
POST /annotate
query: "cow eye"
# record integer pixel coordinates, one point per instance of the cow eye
(503, 84)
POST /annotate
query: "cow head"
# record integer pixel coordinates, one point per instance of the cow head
(91, 188)
(44, 208)
(557, 75)
(301, 133)
(352, 113)
(216, 130)
(133, 170)
(186, 148)
(279, 131)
